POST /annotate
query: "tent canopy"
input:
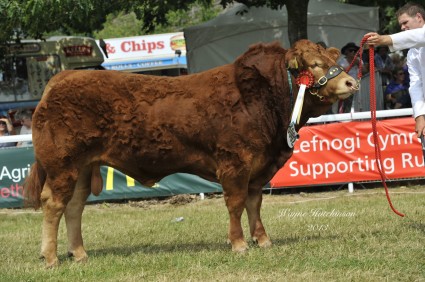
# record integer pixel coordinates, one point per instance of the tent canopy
(222, 39)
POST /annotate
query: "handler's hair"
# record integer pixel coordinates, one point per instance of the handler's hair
(411, 9)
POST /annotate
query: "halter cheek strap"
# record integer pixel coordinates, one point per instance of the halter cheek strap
(332, 72)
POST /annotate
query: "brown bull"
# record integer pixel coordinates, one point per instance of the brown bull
(227, 124)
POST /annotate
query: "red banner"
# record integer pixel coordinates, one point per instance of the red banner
(345, 152)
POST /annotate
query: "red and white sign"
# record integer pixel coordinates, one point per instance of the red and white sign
(145, 46)
(345, 152)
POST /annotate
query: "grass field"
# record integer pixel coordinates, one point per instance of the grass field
(328, 236)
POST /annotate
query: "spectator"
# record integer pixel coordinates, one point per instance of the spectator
(397, 92)
(365, 58)
(398, 60)
(25, 117)
(6, 129)
(384, 63)
(323, 44)
(348, 52)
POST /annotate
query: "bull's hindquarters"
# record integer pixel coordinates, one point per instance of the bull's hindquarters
(71, 205)
(52, 213)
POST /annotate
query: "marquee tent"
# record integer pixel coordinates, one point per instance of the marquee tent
(222, 39)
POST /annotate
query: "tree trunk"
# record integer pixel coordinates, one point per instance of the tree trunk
(297, 19)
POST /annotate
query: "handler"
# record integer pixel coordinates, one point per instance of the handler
(411, 19)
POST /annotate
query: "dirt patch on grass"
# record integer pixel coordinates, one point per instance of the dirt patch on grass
(176, 200)
(182, 199)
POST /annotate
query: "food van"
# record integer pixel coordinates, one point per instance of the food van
(28, 66)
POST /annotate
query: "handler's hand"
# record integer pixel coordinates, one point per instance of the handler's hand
(420, 126)
(376, 39)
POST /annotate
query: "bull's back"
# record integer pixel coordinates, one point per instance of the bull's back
(118, 114)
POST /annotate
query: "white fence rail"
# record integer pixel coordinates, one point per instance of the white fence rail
(16, 138)
(361, 116)
(321, 119)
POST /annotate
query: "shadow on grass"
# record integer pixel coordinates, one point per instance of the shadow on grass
(127, 250)
(417, 225)
(295, 239)
(161, 248)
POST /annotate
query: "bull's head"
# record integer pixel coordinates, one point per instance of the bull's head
(331, 82)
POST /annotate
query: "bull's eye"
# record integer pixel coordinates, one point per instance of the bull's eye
(316, 65)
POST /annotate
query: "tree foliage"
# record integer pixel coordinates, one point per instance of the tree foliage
(33, 18)
(36, 18)
(120, 25)
(387, 8)
(127, 24)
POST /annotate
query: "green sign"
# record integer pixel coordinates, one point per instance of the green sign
(15, 165)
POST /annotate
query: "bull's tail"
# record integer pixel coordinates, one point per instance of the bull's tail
(34, 185)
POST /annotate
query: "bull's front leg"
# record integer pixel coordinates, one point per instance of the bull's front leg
(235, 192)
(253, 207)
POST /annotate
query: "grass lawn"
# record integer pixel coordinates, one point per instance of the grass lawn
(327, 236)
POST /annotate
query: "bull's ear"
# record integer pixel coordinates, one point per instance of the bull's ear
(334, 52)
(291, 60)
(293, 63)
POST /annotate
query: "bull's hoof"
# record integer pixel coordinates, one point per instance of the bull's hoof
(80, 256)
(265, 244)
(239, 246)
(263, 241)
(51, 262)
(81, 259)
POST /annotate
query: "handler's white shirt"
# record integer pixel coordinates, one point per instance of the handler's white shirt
(414, 39)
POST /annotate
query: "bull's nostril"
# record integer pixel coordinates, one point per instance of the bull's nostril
(352, 84)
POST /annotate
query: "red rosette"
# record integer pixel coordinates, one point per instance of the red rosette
(305, 77)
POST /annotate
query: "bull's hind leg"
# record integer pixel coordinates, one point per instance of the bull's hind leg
(253, 207)
(235, 194)
(53, 197)
(73, 215)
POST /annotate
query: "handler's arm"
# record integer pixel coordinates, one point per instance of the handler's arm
(413, 38)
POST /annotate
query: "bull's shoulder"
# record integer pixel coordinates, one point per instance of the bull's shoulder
(259, 69)
(260, 57)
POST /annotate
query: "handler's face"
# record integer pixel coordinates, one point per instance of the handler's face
(407, 22)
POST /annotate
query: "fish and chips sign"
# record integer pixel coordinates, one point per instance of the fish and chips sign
(145, 51)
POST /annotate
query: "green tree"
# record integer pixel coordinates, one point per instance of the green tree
(127, 24)
(34, 18)
(387, 10)
(120, 25)
(154, 12)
